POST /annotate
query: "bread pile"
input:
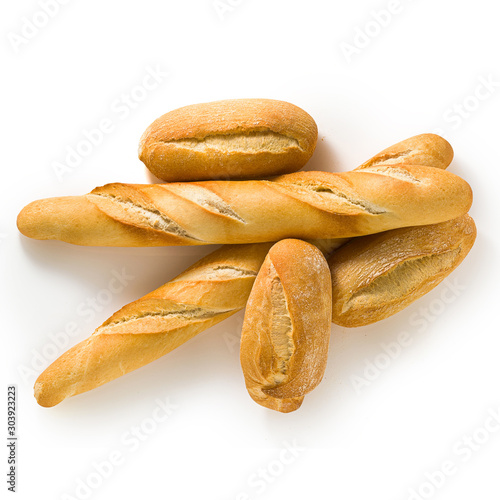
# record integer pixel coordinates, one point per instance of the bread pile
(300, 249)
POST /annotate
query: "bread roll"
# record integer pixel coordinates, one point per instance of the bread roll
(376, 276)
(286, 330)
(304, 205)
(232, 139)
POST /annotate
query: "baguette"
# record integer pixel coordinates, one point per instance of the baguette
(424, 149)
(286, 330)
(303, 205)
(232, 139)
(376, 276)
(221, 280)
(209, 291)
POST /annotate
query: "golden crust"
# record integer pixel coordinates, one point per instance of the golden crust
(376, 276)
(77, 220)
(231, 139)
(286, 330)
(209, 291)
(80, 369)
(424, 149)
(304, 205)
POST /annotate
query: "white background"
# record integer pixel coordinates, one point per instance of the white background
(412, 75)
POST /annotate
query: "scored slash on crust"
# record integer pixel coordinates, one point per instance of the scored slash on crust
(164, 319)
(146, 217)
(251, 143)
